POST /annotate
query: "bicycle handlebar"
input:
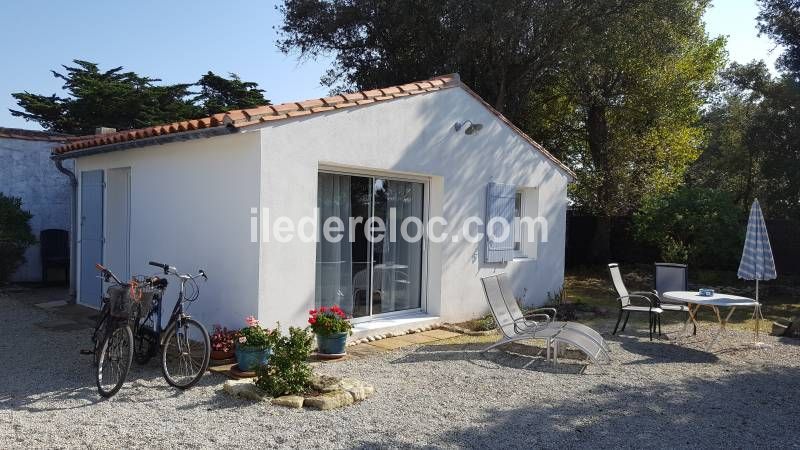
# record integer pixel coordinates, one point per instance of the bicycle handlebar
(169, 269)
(107, 274)
(164, 267)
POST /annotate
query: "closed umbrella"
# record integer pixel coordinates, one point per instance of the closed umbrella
(757, 262)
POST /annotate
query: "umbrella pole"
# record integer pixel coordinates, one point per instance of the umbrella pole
(757, 312)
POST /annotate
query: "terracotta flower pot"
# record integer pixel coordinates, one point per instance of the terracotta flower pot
(219, 354)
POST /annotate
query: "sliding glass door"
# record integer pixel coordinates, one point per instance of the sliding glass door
(365, 269)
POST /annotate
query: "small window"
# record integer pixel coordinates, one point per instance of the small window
(517, 225)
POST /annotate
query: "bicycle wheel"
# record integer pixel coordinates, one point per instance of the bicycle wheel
(186, 353)
(116, 356)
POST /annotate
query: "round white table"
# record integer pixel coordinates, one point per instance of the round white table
(715, 302)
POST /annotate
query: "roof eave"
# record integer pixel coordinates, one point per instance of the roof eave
(147, 142)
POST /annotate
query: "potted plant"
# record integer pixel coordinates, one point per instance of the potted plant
(254, 345)
(331, 326)
(223, 343)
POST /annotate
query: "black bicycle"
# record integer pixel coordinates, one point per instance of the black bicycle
(112, 338)
(184, 342)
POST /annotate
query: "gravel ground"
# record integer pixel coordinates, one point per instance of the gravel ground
(446, 395)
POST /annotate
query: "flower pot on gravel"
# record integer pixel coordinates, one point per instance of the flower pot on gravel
(332, 344)
(331, 325)
(248, 358)
(254, 345)
(223, 343)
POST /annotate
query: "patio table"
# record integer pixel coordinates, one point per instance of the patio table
(694, 300)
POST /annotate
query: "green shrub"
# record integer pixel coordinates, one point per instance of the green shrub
(702, 227)
(485, 323)
(287, 372)
(15, 235)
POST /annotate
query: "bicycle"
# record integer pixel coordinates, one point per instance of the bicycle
(184, 343)
(112, 337)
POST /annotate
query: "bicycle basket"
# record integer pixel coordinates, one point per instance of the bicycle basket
(120, 302)
(142, 292)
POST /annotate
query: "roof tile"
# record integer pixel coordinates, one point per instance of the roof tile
(285, 107)
(354, 96)
(313, 103)
(261, 114)
(334, 100)
(373, 93)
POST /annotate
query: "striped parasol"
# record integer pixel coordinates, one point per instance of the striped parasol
(757, 262)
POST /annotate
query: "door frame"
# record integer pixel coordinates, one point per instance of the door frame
(108, 222)
(426, 192)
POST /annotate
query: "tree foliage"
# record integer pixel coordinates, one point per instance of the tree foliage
(780, 20)
(500, 48)
(692, 225)
(222, 94)
(625, 108)
(612, 87)
(754, 124)
(15, 235)
(125, 100)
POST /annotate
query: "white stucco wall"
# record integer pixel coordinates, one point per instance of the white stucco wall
(190, 207)
(26, 171)
(412, 135)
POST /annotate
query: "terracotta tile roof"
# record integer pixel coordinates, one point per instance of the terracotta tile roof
(246, 117)
(261, 114)
(33, 135)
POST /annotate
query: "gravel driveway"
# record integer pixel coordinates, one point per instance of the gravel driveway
(445, 396)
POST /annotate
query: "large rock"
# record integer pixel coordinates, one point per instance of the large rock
(289, 401)
(246, 389)
(329, 400)
(357, 389)
(325, 383)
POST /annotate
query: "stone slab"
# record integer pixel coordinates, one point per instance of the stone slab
(289, 401)
(439, 334)
(417, 338)
(245, 389)
(330, 400)
(221, 369)
(364, 350)
(390, 343)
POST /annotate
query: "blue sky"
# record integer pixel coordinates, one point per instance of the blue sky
(178, 41)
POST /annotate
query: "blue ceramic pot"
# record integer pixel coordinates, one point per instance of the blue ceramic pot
(248, 358)
(332, 344)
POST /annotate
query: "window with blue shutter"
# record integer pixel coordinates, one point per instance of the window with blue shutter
(500, 200)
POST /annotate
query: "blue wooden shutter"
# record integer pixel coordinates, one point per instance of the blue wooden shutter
(500, 203)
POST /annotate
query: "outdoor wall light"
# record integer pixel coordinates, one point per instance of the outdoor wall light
(471, 129)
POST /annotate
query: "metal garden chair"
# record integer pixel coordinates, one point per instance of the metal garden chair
(552, 333)
(626, 306)
(671, 277)
(521, 318)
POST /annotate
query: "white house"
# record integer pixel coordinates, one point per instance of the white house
(212, 193)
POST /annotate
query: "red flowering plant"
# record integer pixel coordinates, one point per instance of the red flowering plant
(223, 339)
(326, 321)
(254, 335)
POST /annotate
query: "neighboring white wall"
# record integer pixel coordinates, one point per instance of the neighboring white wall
(26, 171)
(190, 207)
(410, 135)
